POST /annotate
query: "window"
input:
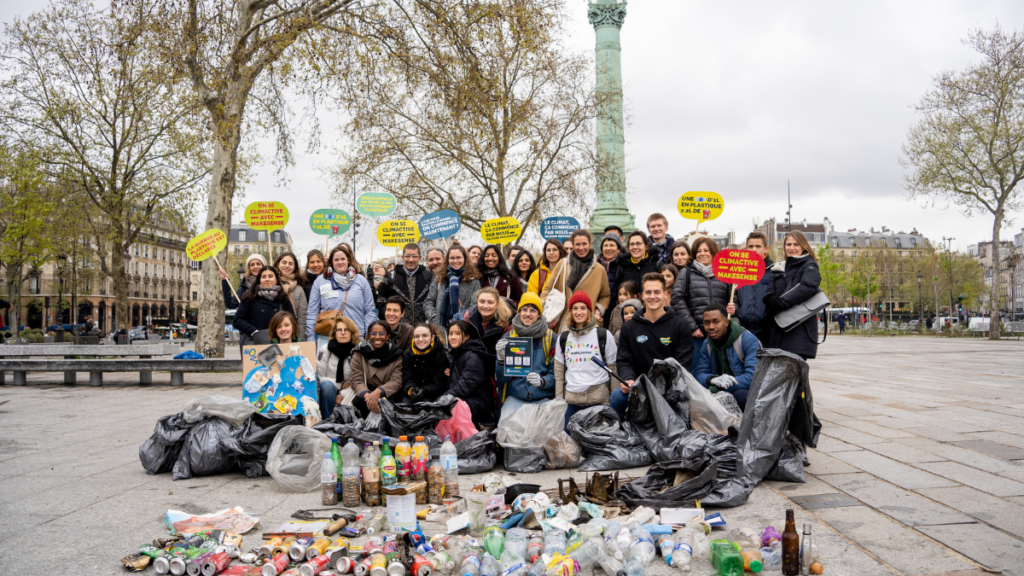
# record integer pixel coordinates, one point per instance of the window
(33, 285)
(146, 268)
(195, 295)
(164, 255)
(913, 242)
(241, 235)
(145, 251)
(899, 243)
(835, 242)
(261, 236)
(238, 250)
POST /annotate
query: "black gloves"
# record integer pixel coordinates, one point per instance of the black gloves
(774, 303)
(416, 394)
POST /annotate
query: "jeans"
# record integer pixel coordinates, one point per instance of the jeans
(697, 343)
(327, 398)
(512, 404)
(741, 396)
(619, 402)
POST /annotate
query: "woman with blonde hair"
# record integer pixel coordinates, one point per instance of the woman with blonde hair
(794, 281)
(334, 366)
(490, 317)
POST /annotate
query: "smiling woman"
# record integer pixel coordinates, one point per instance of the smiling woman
(376, 369)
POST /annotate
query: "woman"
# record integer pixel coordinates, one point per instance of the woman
(490, 317)
(425, 365)
(253, 264)
(469, 377)
(695, 288)
(314, 268)
(578, 380)
(794, 281)
(640, 258)
(376, 369)
(282, 328)
(341, 290)
(378, 279)
(611, 247)
(454, 289)
(538, 386)
(524, 267)
(496, 274)
(580, 272)
(334, 366)
(680, 254)
(259, 304)
(550, 256)
(669, 272)
(475, 252)
(293, 283)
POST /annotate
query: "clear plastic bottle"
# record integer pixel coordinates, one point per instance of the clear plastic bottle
(682, 554)
(771, 557)
(494, 541)
(700, 541)
(640, 516)
(666, 544)
(512, 563)
(752, 559)
(350, 486)
(450, 464)
(538, 566)
(611, 542)
(610, 565)
(593, 528)
(329, 481)
(403, 459)
(371, 478)
(642, 545)
(471, 564)
(554, 542)
(376, 524)
(534, 549)
(490, 566)
(516, 540)
(442, 562)
(624, 539)
(588, 553)
(752, 535)
(632, 567)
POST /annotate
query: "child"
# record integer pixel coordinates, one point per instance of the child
(629, 308)
(669, 272)
(627, 290)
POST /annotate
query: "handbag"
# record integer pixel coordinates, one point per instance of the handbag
(326, 320)
(794, 316)
(554, 304)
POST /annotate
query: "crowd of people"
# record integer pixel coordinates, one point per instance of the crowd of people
(418, 331)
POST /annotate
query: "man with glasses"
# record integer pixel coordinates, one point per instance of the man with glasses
(410, 282)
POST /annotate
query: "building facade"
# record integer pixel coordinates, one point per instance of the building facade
(1004, 273)
(775, 230)
(886, 250)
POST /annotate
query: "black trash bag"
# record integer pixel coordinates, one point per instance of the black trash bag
(476, 453)
(161, 450)
(249, 444)
(417, 419)
(375, 423)
(527, 460)
(202, 454)
(607, 443)
(790, 465)
(345, 414)
(345, 431)
(655, 488)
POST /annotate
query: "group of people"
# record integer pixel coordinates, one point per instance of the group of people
(419, 331)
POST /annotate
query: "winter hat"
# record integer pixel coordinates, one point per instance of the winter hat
(581, 296)
(636, 304)
(255, 257)
(531, 299)
(614, 238)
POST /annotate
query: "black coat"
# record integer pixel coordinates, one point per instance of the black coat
(488, 337)
(254, 315)
(795, 284)
(399, 285)
(426, 371)
(232, 299)
(470, 379)
(693, 292)
(310, 278)
(626, 270)
(507, 287)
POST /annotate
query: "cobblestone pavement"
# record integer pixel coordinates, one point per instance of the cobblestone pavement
(920, 468)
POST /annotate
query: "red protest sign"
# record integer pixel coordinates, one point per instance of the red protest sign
(739, 267)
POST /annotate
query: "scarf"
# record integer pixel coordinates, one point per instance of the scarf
(721, 347)
(704, 269)
(587, 328)
(379, 357)
(417, 352)
(535, 330)
(272, 293)
(288, 282)
(343, 281)
(342, 351)
(491, 274)
(577, 268)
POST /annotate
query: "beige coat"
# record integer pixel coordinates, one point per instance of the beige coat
(594, 283)
(366, 378)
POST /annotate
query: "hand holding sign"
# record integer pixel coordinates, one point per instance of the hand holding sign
(738, 267)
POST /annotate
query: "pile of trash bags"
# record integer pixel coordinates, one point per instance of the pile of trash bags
(534, 439)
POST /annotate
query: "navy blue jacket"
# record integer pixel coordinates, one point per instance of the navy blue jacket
(542, 362)
(254, 315)
(750, 308)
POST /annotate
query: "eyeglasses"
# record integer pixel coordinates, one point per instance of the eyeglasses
(342, 331)
(380, 334)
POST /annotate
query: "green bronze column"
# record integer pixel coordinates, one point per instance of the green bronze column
(607, 16)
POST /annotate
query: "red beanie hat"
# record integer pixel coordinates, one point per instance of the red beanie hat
(581, 296)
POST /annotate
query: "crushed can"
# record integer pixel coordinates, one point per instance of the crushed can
(248, 557)
(318, 548)
(336, 550)
(284, 546)
(216, 563)
(194, 567)
(297, 551)
(342, 564)
(267, 550)
(389, 547)
(422, 566)
(315, 566)
(276, 565)
(362, 568)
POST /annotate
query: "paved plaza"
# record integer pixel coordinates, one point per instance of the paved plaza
(919, 470)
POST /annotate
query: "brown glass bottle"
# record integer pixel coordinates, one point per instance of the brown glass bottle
(790, 547)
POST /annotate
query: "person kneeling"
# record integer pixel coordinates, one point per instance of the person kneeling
(376, 369)
(424, 365)
(728, 357)
(469, 378)
(578, 379)
(334, 366)
(538, 386)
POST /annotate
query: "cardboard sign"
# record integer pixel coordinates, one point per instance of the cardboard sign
(330, 222)
(701, 206)
(518, 354)
(205, 245)
(267, 216)
(376, 204)
(440, 224)
(739, 267)
(500, 230)
(397, 233)
(558, 227)
(288, 385)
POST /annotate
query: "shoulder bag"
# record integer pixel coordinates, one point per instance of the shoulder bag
(554, 304)
(794, 316)
(327, 320)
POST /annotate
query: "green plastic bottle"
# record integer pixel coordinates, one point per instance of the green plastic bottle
(336, 456)
(388, 471)
(726, 558)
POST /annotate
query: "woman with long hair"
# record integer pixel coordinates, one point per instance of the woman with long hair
(794, 281)
(425, 365)
(551, 254)
(523, 266)
(579, 272)
(680, 254)
(376, 369)
(474, 253)
(490, 317)
(293, 282)
(253, 264)
(260, 303)
(314, 268)
(282, 329)
(454, 289)
(469, 376)
(696, 287)
(670, 272)
(334, 366)
(341, 290)
(496, 274)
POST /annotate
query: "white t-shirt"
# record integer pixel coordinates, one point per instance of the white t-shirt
(580, 372)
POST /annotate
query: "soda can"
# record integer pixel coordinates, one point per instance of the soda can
(373, 545)
(177, 565)
(284, 546)
(216, 563)
(389, 547)
(396, 568)
(297, 551)
(342, 564)
(194, 567)
(318, 548)
(162, 564)
(424, 548)
(267, 550)
(276, 565)
(336, 550)
(248, 557)
(315, 566)
(378, 565)
(362, 568)
(421, 567)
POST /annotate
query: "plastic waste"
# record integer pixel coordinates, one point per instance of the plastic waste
(632, 566)
(538, 566)
(771, 557)
(416, 419)
(329, 481)
(752, 535)
(640, 516)
(666, 544)
(569, 512)
(588, 553)
(554, 542)
(512, 563)
(476, 453)
(608, 443)
(562, 451)
(700, 540)
(611, 541)
(642, 545)
(769, 535)
(595, 527)
(234, 411)
(682, 553)
(471, 564)
(450, 464)
(490, 566)
(725, 558)
(516, 541)
(591, 509)
(494, 541)
(159, 452)
(350, 473)
(657, 488)
(534, 549)
(295, 457)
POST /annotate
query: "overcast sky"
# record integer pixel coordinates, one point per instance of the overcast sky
(738, 97)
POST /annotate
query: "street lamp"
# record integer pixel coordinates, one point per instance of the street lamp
(241, 272)
(920, 301)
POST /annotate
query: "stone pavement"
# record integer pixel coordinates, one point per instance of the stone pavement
(920, 468)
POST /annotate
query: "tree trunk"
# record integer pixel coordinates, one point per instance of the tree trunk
(124, 313)
(210, 333)
(997, 279)
(14, 294)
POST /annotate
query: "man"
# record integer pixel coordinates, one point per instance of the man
(4, 305)
(613, 229)
(842, 323)
(410, 282)
(728, 358)
(401, 332)
(749, 307)
(579, 271)
(656, 333)
(513, 253)
(435, 259)
(657, 227)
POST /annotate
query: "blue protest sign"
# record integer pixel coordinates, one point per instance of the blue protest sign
(440, 224)
(558, 227)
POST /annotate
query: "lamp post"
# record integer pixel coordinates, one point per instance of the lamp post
(241, 272)
(920, 302)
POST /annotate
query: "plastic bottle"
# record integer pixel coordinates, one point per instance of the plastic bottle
(442, 562)
(348, 472)
(420, 458)
(640, 516)
(610, 565)
(471, 564)
(573, 540)
(642, 546)
(534, 549)
(554, 542)
(388, 469)
(682, 554)
(494, 542)
(371, 478)
(336, 456)
(376, 524)
(666, 544)
(538, 566)
(490, 566)
(329, 481)
(588, 553)
(450, 464)
(593, 528)
(516, 540)
(806, 551)
(753, 536)
(632, 567)
(752, 559)
(403, 459)
(512, 563)
(611, 542)
(700, 541)
(625, 538)
(725, 558)
(771, 557)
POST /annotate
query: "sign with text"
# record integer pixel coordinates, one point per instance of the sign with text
(280, 377)
(396, 233)
(440, 224)
(558, 227)
(701, 206)
(267, 216)
(376, 204)
(739, 267)
(501, 230)
(518, 354)
(330, 222)
(205, 245)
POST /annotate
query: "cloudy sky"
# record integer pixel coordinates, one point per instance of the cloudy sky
(739, 97)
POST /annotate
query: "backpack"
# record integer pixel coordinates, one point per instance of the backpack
(602, 340)
(737, 347)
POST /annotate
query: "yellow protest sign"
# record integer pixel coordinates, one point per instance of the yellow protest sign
(701, 206)
(267, 216)
(397, 233)
(499, 230)
(207, 244)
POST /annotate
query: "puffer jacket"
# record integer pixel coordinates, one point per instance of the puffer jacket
(426, 371)
(470, 380)
(628, 270)
(794, 280)
(693, 292)
(542, 362)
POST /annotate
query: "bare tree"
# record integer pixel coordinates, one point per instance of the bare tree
(889, 268)
(968, 147)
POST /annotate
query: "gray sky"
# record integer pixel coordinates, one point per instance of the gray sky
(738, 97)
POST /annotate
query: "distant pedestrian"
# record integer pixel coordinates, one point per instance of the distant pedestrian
(842, 323)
